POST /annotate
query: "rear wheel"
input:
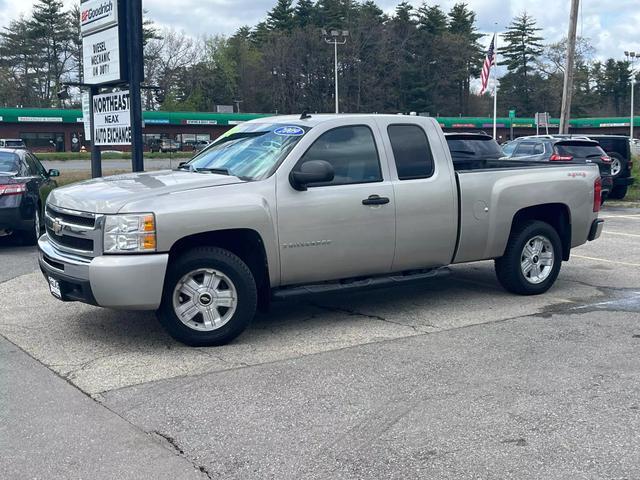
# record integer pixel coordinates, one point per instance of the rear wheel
(532, 260)
(617, 164)
(209, 297)
(32, 235)
(619, 192)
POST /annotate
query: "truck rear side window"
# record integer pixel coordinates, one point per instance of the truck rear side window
(411, 151)
(351, 151)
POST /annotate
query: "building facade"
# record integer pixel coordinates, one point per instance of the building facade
(62, 130)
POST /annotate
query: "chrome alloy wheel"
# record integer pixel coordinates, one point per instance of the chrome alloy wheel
(536, 261)
(205, 299)
(616, 167)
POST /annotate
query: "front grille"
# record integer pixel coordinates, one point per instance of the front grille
(69, 241)
(88, 222)
(76, 232)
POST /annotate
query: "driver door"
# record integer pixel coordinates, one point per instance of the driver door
(333, 230)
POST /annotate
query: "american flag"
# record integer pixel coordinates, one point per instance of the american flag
(489, 61)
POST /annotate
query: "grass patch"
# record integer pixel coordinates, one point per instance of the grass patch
(67, 178)
(65, 156)
(633, 194)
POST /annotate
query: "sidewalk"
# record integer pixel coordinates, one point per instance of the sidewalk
(50, 430)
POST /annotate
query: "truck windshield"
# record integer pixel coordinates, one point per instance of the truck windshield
(250, 151)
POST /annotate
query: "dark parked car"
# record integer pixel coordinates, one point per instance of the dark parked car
(618, 147)
(467, 149)
(24, 186)
(550, 148)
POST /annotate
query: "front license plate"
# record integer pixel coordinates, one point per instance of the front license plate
(54, 286)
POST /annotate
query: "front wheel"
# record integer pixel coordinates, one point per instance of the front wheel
(618, 192)
(209, 297)
(532, 260)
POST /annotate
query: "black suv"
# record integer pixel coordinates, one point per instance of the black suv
(618, 147)
(560, 148)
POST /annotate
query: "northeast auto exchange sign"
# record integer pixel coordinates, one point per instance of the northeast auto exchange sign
(112, 119)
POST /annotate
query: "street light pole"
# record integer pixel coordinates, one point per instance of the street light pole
(631, 58)
(332, 38)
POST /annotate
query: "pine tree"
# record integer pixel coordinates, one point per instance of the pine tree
(305, 13)
(469, 61)
(281, 16)
(523, 45)
(53, 41)
(520, 54)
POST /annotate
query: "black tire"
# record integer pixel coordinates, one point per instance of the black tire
(618, 192)
(508, 268)
(229, 265)
(31, 236)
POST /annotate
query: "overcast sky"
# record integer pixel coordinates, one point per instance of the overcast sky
(613, 26)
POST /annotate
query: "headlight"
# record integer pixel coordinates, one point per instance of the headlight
(130, 233)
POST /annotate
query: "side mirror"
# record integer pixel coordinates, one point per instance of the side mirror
(313, 171)
(54, 173)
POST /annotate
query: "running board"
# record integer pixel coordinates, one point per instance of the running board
(359, 283)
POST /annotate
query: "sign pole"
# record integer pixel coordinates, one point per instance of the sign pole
(96, 153)
(136, 62)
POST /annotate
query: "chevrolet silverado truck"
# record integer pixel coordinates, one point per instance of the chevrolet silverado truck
(287, 205)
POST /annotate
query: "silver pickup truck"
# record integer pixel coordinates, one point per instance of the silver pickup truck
(288, 205)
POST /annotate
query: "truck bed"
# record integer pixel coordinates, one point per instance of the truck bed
(492, 193)
(495, 164)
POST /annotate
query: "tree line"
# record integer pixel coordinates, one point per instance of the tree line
(421, 59)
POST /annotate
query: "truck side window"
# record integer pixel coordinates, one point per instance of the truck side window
(351, 151)
(411, 151)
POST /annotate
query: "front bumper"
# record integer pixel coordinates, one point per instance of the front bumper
(128, 282)
(596, 230)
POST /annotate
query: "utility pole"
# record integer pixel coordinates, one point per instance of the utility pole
(567, 91)
(332, 38)
(631, 58)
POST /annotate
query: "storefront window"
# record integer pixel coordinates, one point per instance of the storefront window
(44, 141)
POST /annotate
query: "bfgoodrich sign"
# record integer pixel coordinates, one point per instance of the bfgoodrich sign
(112, 119)
(97, 15)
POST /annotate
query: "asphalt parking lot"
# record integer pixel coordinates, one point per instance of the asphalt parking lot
(447, 378)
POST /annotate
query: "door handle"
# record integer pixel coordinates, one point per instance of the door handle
(375, 200)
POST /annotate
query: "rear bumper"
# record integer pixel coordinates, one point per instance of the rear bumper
(621, 182)
(12, 218)
(596, 230)
(128, 282)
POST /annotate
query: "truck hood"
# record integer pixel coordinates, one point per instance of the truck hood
(110, 194)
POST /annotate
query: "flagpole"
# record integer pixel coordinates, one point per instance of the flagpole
(495, 83)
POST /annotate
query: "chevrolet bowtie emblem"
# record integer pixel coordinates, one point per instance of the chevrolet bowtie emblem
(56, 226)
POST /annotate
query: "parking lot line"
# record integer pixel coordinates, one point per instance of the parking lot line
(606, 261)
(621, 233)
(633, 216)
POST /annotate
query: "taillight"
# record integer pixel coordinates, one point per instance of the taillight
(606, 159)
(560, 158)
(13, 189)
(597, 194)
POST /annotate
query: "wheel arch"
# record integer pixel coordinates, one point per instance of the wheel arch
(558, 215)
(245, 243)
